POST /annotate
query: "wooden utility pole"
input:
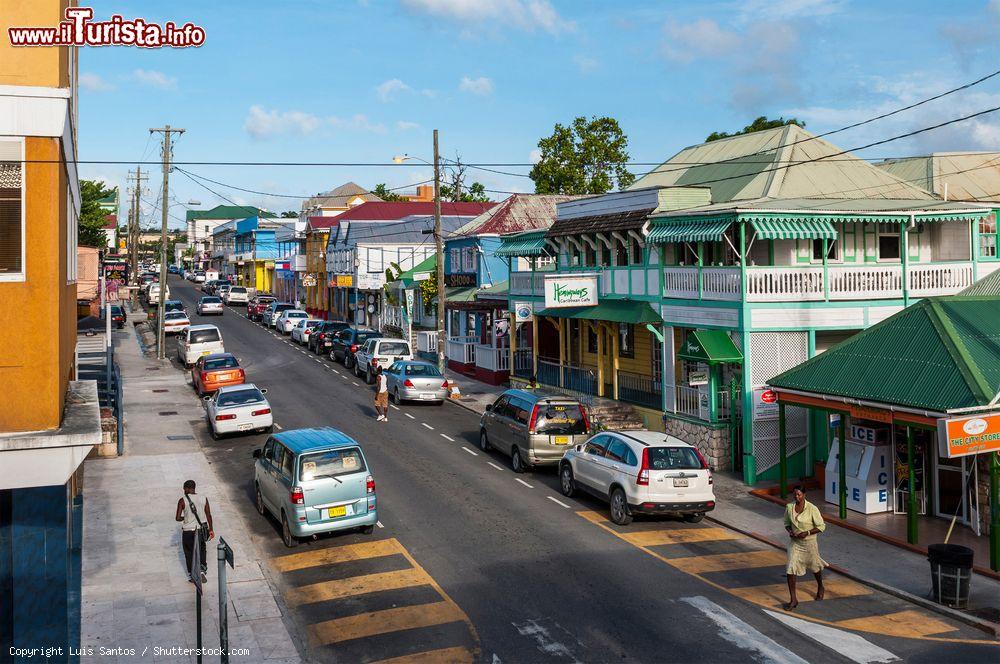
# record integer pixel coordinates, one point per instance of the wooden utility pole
(164, 206)
(133, 234)
(439, 250)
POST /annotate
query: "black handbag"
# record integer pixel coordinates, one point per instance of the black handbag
(202, 527)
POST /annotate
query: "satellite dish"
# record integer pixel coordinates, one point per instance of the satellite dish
(371, 298)
(371, 308)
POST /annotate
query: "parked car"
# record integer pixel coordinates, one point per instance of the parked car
(168, 306)
(175, 322)
(211, 372)
(346, 344)
(237, 409)
(236, 295)
(640, 472)
(199, 277)
(321, 338)
(380, 352)
(209, 304)
(118, 316)
(256, 306)
(274, 310)
(153, 292)
(534, 428)
(222, 289)
(315, 481)
(416, 381)
(303, 330)
(199, 340)
(288, 319)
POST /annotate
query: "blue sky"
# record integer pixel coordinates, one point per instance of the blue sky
(361, 81)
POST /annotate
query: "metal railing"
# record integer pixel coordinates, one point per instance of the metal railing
(492, 359)
(427, 341)
(640, 390)
(688, 401)
(523, 363)
(461, 349)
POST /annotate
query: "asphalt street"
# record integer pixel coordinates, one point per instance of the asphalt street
(474, 562)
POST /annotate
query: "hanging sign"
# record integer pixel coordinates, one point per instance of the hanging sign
(964, 436)
(523, 312)
(576, 291)
(309, 280)
(696, 378)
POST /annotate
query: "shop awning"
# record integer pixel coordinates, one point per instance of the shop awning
(709, 346)
(427, 266)
(529, 243)
(704, 229)
(790, 228)
(613, 311)
(459, 294)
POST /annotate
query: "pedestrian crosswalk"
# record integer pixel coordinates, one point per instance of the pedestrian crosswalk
(755, 572)
(372, 602)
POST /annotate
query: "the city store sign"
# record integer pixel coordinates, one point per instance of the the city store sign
(963, 436)
(575, 291)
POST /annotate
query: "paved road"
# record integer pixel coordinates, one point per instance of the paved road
(476, 563)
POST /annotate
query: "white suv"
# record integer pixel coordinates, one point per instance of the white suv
(380, 352)
(640, 472)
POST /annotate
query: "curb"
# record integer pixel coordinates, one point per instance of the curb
(991, 628)
(465, 406)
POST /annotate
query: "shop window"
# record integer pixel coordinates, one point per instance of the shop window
(548, 262)
(626, 340)
(888, 242)
(11, 217)
(988, 237)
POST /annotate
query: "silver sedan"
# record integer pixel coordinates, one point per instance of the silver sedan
(210, 305)
(416, 381)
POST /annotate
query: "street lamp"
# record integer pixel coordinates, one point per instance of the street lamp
(439, 246)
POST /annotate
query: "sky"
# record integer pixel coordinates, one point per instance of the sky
(349, 81)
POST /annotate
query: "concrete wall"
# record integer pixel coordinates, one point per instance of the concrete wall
(47, 67)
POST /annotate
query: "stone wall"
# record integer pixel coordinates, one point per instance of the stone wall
(712, 442)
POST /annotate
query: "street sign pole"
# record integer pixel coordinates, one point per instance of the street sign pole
(196, 577)
(225, 555)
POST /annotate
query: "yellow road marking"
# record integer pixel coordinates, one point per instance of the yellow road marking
(355, 585)
(442, 656)
(679, 536)
(721, 562)
(382, 622)
(593, 517)
(907, 623)
(337, 554)
(776, 595)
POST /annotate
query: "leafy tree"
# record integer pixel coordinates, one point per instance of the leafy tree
(429, 288)
(383, 192)
(289, 214)
(476, 193)
(92, 215)
(760, 124)
(586, 157)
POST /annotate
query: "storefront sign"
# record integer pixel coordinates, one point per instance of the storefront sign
(523, 312)
(696, 378)
(460, 279)
(421, 276)
(309, 280)
(963, 436)
(873, 414)
(344, 281)
(765, 404)
(576, 291)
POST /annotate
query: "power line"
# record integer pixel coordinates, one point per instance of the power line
(266, 193)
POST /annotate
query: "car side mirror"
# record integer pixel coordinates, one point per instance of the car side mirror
(489, 407)
(256, 453)
(263, 390)
(207, 398)
(579, 448)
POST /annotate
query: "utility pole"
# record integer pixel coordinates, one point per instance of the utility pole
(133, 235)
(439, 242)
(164, 206)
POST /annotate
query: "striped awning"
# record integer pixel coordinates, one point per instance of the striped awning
(705, 229)
(530, 243)
(787, 228)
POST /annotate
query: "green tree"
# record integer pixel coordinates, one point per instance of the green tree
(586, 157)
(760, 124)
(476, 193)
(385, 194)
(289, 214)
(92, 215)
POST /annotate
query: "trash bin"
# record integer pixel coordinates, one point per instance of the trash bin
(951, 574)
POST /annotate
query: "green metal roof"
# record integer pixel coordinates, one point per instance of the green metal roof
(988, 285)
(710, 346)
(699, 229)
(229, 212)
(499, 290)
(529, 243)
(784, 228)
(614, 311)
(939, 354)
(429, 264)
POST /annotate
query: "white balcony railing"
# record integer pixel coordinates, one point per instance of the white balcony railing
(462, 349)
(941, 279)
(492, 359)
(427, 341)
(527, 283)
(784, 284)
(859, 282)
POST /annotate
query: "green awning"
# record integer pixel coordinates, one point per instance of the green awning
(428, 265)
(529, 243)
(614, 311)
(704, 229)
(459, 294)
(785, 228)
(711, 347)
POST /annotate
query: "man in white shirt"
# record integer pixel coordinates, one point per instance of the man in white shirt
(192, 511)
(381, 396)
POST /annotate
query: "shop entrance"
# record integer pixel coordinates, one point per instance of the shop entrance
(956, 490)
(921, 439)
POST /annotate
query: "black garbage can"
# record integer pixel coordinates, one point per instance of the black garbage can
(951, 573)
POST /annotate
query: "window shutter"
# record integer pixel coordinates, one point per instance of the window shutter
(11, 227)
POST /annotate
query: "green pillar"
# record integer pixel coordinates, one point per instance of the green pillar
(911, 498)
(713, 393)
(995, 511)
(904, 259)
(841, 465)
(701, 262)
(826, 271)
(782, 452)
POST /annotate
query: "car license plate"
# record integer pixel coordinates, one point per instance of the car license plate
(678, 481)
(206, 352)
(561, 440)
(334, 512)
(427, 396)
(244, 427)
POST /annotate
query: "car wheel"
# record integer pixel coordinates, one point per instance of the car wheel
(484, 441)
(516, 462)
(215, 434)
(269, 429)
(693, 518)
(261, 508)
(619, 508)
(286, 535)
(368, 530)
(395, 396)
(566, 483)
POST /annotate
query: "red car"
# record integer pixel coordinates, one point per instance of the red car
(256, 306)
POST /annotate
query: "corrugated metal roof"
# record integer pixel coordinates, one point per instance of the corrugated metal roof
(339, 197)
(519, 212)
(939, 354)
(526, 243)
(834, 205)
(970, 176)
(777, 163)
(601, 223)
(988, 285)
(403, 232)
(229, 212)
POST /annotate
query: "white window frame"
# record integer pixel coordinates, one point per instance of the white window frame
(469, 259)
(879, 234)
(22, 275)
(72, 240)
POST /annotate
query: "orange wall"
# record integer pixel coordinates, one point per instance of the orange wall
(35, 373)
(32, 65)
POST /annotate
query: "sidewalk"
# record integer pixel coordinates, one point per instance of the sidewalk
(135, 589)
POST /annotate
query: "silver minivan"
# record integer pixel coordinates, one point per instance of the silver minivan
(197, 341)
(314, 481)
(534, 428)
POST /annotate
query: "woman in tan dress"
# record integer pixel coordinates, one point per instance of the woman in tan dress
(803, 523)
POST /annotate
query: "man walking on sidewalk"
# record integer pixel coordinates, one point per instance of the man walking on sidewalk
(381, 396)
(194, 513)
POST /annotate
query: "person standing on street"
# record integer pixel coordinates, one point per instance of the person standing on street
(194, 512)
(803, 522)
(381, 395)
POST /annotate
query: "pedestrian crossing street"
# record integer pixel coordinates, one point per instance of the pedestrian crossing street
(372, 602)
(755, 572)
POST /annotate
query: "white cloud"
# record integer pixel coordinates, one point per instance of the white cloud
(770, 10)
(357, 122)
(481, 86)
(684, 42)
(586, 64)
(388, 90)
(535, 156)
(94, 83)
(526, 15)
(405, 125)
(265, 124)
(155, 79)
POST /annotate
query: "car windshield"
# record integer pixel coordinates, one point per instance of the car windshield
(565, 419)
(394, 348)
(283, 307)
(116, 310)
(210, 300)
(331, 464)
(221, 363)
(312, 323)
(174, 306)
(428, 370)
(365, 336)
(237, 289)
(240, 397)
(175, 315)
(204, 336)
(673, 458)
(296, 314)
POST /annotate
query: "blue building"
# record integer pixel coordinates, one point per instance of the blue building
(256, 252)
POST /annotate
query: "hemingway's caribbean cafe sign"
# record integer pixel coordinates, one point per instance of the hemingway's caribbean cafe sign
(963, 436)
(575, 291)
